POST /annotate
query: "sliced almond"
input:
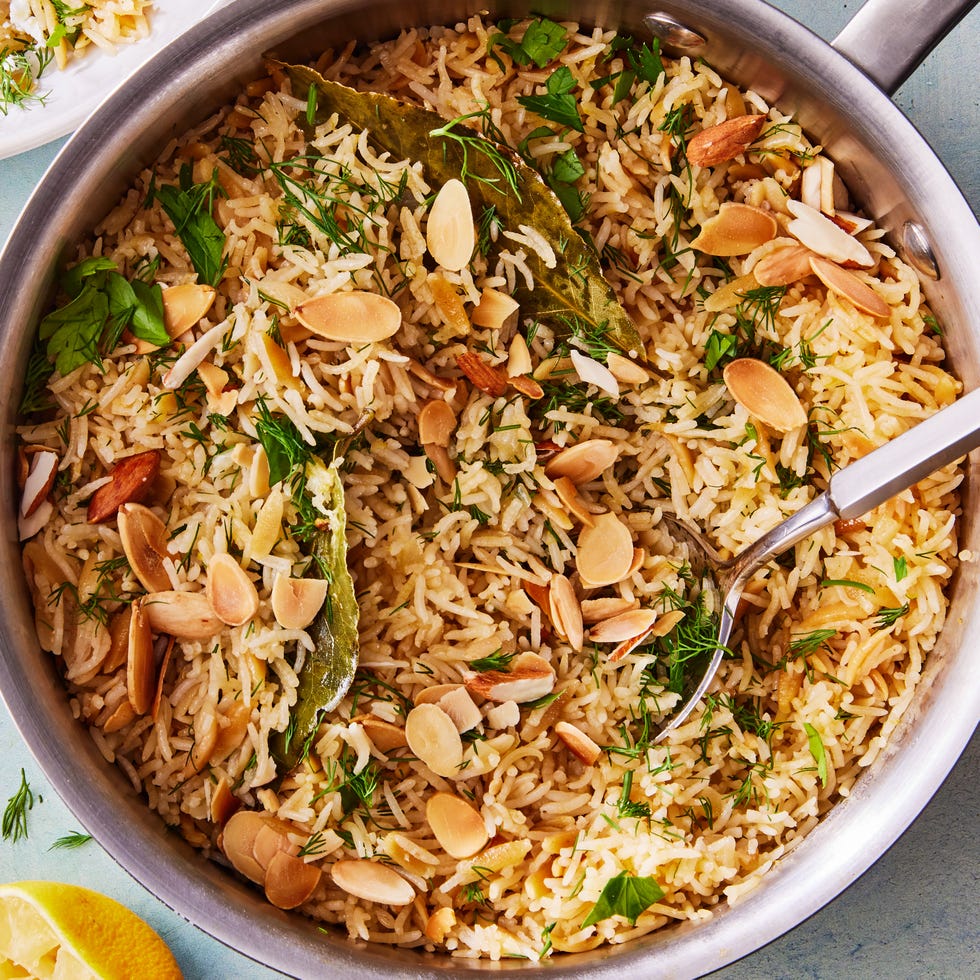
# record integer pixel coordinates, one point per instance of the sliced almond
(437, 423)
(591, 372)
(459, 828)
(527, 386)
(130, 481)
(276, 360)
(237, 841)
(853, 224)
(623, 627)
(432, 380)
(667, 622)
(450, 233)
(441, 460)
(290, 881)
(232, 728)
(120, 718)
(258, 474)
(460, 707)
(583, 462)
(354, 317)
(596, 610)
(224, 804)
(493, 310)
(161, 678)
(40, 479)
(605, 551)
(431, 734)
(630, 644)
(569, 496)
(764, 393)
(296, 601)
(231, 593)
(373, 882)
(383, 734)
(505, 715)
(783, 266)
(822, 236)
(579, 744)
(440, 924)
(268, 525)
(144, 540)
(846, 284)
(432, 693)
(186, 615)
(214, 378)
(736, 229)
(725, 141)
(271, 838)
(518, 357)
(507, 854)
(639, 557)
(539, 596)
(184, 306)
(531, 677)
(566, 613)
(625, 371)
(141, 673)
(205, 736)
(118, 640)
(729, 295)
(487, 378)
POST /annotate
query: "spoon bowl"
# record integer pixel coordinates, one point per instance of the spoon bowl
(851, 492)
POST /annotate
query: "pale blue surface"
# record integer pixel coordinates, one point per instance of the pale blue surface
(913, 915)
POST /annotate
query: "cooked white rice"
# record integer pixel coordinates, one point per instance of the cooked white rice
(445, 573)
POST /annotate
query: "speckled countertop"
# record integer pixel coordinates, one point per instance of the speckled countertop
(913, 915)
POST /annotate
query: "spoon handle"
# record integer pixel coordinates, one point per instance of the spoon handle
(901, 463)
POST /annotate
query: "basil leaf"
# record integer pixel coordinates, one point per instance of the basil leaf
(74, 331)
(147, 322)
(575, 290)
(624, 895)
(558, 105)
(189, 209)
(817, 750)
(328, 669)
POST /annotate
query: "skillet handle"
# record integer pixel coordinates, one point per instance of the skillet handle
(889, 39)
(897, 465)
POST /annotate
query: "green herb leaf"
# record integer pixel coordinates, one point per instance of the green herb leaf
(543, 41)
(147, 321)
(817, 750)
(720, 349)
(73, 332)
(284, 445)
(624, 895)
(329, 668)
(646, 62)
(576, 286)
(558, 104)
(889, 616)
(14, 825)
(804, 643)
(70, 841)
(901, 568)
(846, 583)
(189, 208)
(495, 661)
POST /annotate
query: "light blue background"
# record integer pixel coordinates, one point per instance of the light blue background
(913, 915)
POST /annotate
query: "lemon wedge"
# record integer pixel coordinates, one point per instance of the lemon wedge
(53, 931)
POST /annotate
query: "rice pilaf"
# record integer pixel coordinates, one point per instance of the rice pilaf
(457, 556)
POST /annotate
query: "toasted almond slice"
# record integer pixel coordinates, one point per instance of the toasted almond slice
(186, 615)
(40, 479)
(130, 481)
(258, 474)
(583, 462)
(487, 378)
(437, 423)
(729, 295)
(518, 357)
(144, 540)
(440, 924)
(290, 881)
(118, 640)
(822, 236)
(527, 386)
(460, 829)
(736, 229)
(373, 882)
(383, 734)
(566, 613)
(185, 305)
(507, 854)
(667, 622)
(205, 736)
(623, 627)
(625, 371)
(231, 593)
(596, 610)
(764, 393)
(783, 266)
(629, 645)
(605, 551)
(432, 380)
(268, 525)
(276, 360)
(237, 841)
(353, 317)
(450, 233)
(504, 715)
(591, 372)
(494, 309)
(408, 854)
(232, 729)
(853, 224)
(431, 734)
(432, 694)
(441, 460)
(296, 601)
(539, 596)
(214, 378)
(224, 804)
(141, 673)
(553, 367)
(271, 838)
(530, 677)
(846, 284)
(579, 744)
(725, 141)
(810, 185)
(161, 678)
(569, 496)
(639, 557)
(460, 707)
(119, 718)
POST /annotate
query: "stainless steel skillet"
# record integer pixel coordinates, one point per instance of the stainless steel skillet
(888, 167)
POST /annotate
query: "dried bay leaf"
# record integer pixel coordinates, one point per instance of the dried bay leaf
(574, 289)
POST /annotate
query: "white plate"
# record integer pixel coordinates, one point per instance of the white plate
(72, 94)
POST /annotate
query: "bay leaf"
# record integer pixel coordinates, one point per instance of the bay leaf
(575, 289)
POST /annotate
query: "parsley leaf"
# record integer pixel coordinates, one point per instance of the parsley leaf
(901, 568)
(817, 750)
(283, 443)
(189, 208)
(543, 41)
(624, 895)
(558, 104)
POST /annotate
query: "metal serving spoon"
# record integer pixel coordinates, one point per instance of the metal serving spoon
(851, 492)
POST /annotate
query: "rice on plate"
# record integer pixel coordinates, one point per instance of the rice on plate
(349, 536)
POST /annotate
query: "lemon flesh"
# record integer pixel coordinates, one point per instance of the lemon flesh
(53, 931)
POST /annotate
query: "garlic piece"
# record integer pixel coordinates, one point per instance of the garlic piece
(450, 234)
(764, 393)
(458, 827)
(354, 317)
(431, 734)
(373, 882)
(296, 601)
(230, 591)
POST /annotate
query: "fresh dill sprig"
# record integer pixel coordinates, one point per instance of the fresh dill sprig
(71, 841)
(627, 807)
(888, 617)
(494, 661)
(19, 74)
(14, 825)
(469, 140)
